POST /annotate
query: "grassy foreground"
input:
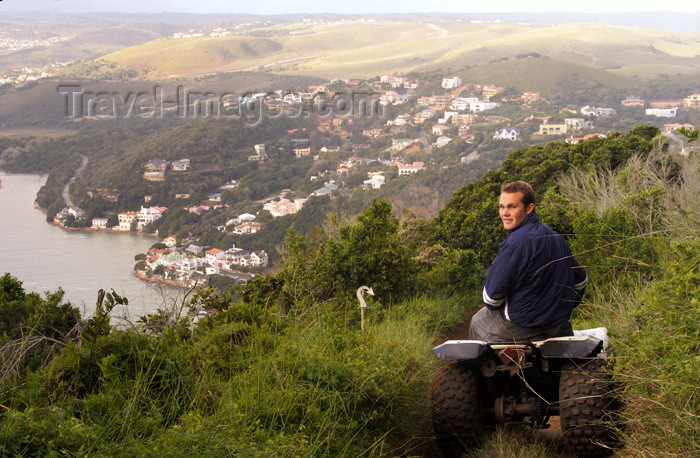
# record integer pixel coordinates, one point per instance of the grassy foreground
(243, 384)
(289, 372)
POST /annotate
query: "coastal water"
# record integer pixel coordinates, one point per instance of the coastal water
(45, 257)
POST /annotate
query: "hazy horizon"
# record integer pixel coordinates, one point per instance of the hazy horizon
(271, 7)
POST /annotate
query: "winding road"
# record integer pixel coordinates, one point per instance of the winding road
(678, 141)
(78, 171)
(426, 145)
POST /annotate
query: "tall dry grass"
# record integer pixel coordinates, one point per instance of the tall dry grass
(654, 321)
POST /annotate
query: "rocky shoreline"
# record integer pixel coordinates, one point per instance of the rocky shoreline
(160, 281)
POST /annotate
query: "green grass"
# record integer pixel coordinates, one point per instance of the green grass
(270, 386)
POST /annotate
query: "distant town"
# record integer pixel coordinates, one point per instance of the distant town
(447, 116)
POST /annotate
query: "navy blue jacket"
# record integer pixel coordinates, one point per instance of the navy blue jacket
(534, 280)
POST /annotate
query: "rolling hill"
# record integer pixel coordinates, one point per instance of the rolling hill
(364, 49)
(84, 43)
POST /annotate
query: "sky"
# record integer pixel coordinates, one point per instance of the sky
(347, 7)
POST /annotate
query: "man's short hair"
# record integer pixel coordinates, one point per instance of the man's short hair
(520, 186)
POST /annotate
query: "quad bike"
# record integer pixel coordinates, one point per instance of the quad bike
(505, 383)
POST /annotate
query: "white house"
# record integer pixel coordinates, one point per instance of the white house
(148, 215)
(76, 212)
(254, 259)
(508, 133)
(442, 141)
(293, 98)
(188, 265)
(401, 119)
(593, 111)
(590, 111)
(327, 189)
(248, 227)
(212, 270)
(578, 123)
(126, 219)
(662, 112)
(301, 152)
(280, 208)
(99, 223)
(259, 258)
(482, 106)
(182, 165)
(463, 103)
(234, 255)
(376, 182)
(230, 185)
(451, 83)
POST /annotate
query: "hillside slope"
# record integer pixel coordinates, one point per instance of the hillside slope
(362, 49)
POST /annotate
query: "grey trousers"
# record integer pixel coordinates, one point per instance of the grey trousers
(490, 326)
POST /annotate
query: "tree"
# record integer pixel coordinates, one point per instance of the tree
(46, 320)
(22, 313)
(371, 253)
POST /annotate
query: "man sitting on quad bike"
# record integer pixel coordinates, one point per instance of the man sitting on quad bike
(523, 363)
(534, 283)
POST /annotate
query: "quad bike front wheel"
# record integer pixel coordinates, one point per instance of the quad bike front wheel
(587, 407)
(457, 412)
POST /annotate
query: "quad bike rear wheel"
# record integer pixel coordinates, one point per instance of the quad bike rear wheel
(587, 407)
(456, 408)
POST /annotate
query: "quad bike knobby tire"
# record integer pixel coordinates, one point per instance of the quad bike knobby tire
(587, 407)
(456, 408)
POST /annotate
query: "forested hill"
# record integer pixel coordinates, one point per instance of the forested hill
(291, 370)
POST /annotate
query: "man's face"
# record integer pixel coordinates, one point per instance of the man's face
(512, 209)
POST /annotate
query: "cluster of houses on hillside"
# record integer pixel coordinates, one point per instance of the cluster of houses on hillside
(663, 108)
(191, 266)
(428, 120)
(138, 220)
(26, 74)
(128, 221)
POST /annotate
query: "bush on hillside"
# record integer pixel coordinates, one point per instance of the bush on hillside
(369, 252)
(32, 327)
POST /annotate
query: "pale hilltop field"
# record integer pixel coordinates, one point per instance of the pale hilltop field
(366, 49)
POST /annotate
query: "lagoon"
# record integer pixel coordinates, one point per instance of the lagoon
(45, 257)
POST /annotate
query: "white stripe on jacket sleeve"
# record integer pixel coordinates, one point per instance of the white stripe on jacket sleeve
(491, 302)
(579, 286)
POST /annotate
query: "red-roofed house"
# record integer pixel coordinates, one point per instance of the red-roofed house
(407, 169)
(215, 256)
